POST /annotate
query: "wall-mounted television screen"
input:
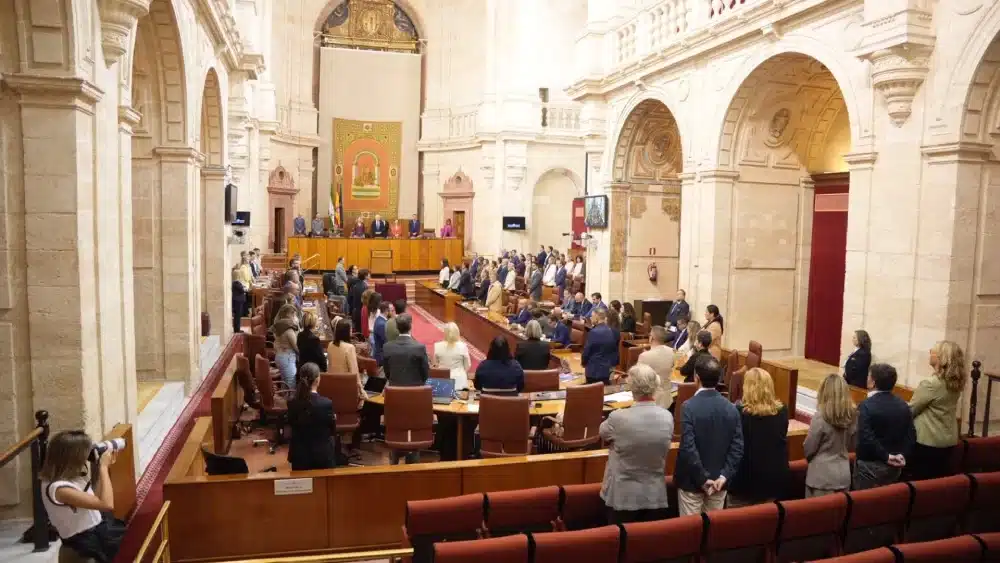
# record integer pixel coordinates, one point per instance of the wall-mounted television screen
(595, 211)
(514, 223)
(242, 219)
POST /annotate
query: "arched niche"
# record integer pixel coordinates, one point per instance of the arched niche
(281, 194)
(456, 199)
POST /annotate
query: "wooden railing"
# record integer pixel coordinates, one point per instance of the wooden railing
(991, 378)
(38, 439)
(379, 555)
(161, 553)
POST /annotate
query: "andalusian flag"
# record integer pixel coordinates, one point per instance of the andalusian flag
(336, 208)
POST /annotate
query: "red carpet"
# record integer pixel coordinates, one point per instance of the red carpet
(427, 330)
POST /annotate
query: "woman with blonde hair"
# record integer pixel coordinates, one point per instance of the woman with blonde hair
(831, 432)
(763, 472)
(286, 343)
(453, 354)
(935, 412)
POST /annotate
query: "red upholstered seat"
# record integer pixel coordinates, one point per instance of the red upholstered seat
(797, 478)
(508, 549)
(742, 534)
(524, 510)
(992, 543)
(582, 507)
(429, 521)
(676, 539)
(811, 528)
(595, 545)
(876, 517)
(938, 507)
(983, 515)
(964, 549)
(982, 455)
(880, 555)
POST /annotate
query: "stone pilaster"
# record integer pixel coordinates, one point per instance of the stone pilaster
(714, 249)
(57, 119)
(861, 167)
(181, 268)
(217, 275)
(687, 274)
(128, 118)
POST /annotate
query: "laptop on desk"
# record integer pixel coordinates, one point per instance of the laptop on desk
(442, 390)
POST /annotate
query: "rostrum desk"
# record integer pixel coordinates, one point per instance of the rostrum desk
(408, 255)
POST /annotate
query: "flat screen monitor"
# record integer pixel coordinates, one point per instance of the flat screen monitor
(242, 219)
(514, 223)
(595, 211)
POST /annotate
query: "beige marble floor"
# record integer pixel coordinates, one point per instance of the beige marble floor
(148, 390)
(811, 372)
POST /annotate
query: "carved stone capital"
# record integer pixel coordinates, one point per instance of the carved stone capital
(118, 19)
(898, 72)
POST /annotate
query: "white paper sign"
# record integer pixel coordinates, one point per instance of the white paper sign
(293, 486)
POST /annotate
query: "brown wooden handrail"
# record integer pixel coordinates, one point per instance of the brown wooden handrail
(163, 548)
(11, 452)
(390, 554)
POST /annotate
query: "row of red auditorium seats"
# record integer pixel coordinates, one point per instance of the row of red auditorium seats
(792, 530)
(961, 549)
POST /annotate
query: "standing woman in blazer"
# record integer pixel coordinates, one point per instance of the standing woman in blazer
(857, 364)
(312, 420)
(494, 296)
(714, 325)
(533, 353)
(310, 348)
(763, 472)
(935, 413)
(832, 430)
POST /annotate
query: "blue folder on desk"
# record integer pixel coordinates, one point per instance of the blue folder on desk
(442, 390)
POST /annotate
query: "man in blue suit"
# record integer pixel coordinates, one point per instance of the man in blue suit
(596, 305)
(523, 313)
(502, 271)
(560, 280)
(681, 336)
(711, 444)
(414, 227)
(580, 308)
(560, 331)
(679, 310)
(541, 258)
(600, 353)
(380, 228)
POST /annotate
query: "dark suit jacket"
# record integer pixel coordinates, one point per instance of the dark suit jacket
(763, 471)
(522, 317)
(310, 350)
(379, 338)
(414, 228)
(466, 286)
(540, 259)
(496, 374)
(501, 274)
(628, 324)
(600, 353)
(532, 354)
(678, 310)
(856, 368)
(405, 361)
(561, 280)
(560, 334)
(711, 441)
(311, 445)
(380, 228)
(583, 309)
(680, 337)
(687, 370)
(535, 285)
(885, 426)
(354, 299)
(239, 297)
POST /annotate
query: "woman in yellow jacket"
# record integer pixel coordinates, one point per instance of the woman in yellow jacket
(494, 299)
(935, 413)
(714, 325)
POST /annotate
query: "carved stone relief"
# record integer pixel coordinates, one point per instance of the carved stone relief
(649, 147)
(637, 206)
(619, 228)
(671, 205)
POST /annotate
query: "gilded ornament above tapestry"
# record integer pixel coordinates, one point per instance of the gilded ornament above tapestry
(371, 24)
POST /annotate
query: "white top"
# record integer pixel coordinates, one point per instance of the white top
(509, 283)
(550, 275)
(577, 269)
(68, 521)
(455, 279)
(456, 358)
(444, 275)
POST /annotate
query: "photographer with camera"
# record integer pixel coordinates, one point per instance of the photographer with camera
(77, 510)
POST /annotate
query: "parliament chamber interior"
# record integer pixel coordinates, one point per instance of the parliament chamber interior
(499, 281)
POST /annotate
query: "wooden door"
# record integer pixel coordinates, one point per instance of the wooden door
(459, 221)
(825, 307)
(279, 230)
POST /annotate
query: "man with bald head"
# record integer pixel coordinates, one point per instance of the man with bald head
(560, 331)
(581, 306)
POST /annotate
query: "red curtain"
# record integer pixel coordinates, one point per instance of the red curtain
(825, 308)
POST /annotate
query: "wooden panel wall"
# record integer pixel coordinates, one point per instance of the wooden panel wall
(408, 255)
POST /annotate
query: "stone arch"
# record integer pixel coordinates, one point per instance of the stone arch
(406, 6)
(552, 197)
(788, 45)
(644, 115)
(784, 130)
(211, 139)
(969, 80)
(163, 39)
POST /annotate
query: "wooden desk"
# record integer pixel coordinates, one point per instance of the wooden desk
(226, 407)
(408, 255)
(240, 516)
(438, 302)
(786, 378)
(481, 329)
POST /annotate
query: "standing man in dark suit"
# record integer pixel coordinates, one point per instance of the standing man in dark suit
(886, 433)
(502, 271)
(404, 359)
(535, 284)
(414, 226)
(600, 353)
(711, 444)
(380, 228)
(466, 285)
(354, 298)
(679, 310)
(541, 258)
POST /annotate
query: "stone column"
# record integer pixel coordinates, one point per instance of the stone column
(181, 317)
(803, 259)
(127, 119)
(687, 274)
(606, 260)
(58, 126)
(218, 274)
(861, 166)
(714, 248)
